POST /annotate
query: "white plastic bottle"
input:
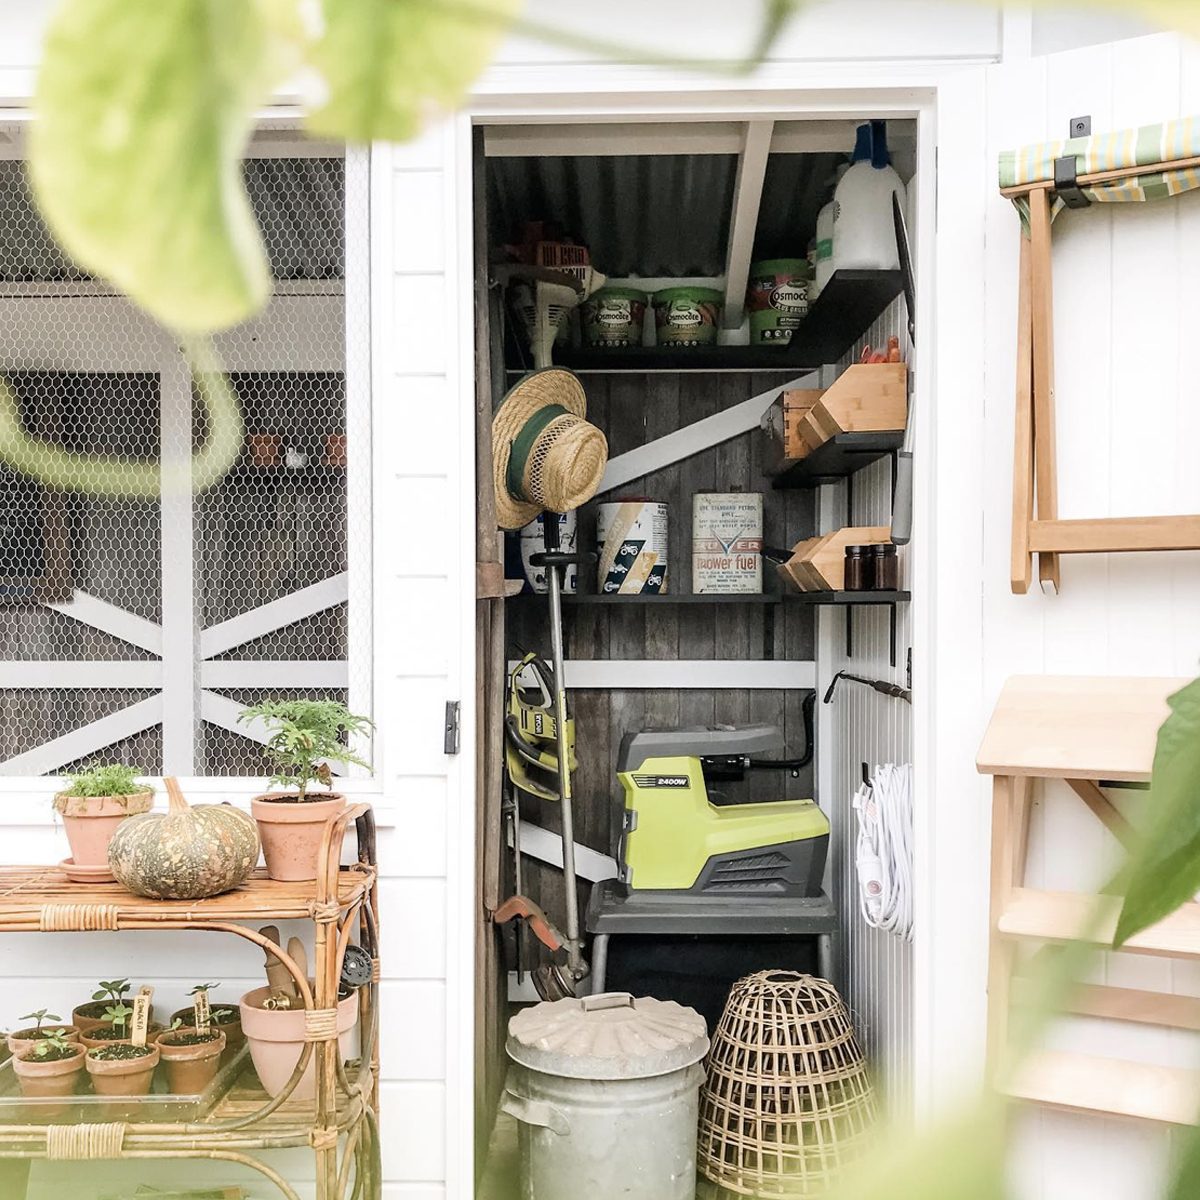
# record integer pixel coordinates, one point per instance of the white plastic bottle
(864, 234)
(823, 257)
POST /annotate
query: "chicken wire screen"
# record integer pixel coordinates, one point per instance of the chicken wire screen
(135, 629)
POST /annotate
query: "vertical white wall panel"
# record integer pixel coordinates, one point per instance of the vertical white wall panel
(1124, 322)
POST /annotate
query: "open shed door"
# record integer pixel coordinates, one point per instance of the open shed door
(1125, 309)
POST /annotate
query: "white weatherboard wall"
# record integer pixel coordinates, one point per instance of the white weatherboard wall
(1126, 310)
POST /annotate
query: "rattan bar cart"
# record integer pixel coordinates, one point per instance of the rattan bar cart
(338, 1124)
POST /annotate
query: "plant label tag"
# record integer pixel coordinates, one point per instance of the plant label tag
(141, 1016)
(203, 1012)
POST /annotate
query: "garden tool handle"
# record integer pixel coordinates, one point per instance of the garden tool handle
(902, 508)
(603, 1000)
(560, 558)
(279, 978)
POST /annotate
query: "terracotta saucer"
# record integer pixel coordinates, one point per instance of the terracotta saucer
(92, 874)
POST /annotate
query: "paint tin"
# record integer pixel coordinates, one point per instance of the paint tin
(533, 542)
(727, 543)
(632, 537)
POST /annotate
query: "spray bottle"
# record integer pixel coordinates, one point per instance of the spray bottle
(863, 233)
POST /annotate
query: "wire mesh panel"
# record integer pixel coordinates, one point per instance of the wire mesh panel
(134, 626)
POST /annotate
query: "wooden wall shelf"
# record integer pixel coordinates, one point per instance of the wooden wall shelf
(841, 456)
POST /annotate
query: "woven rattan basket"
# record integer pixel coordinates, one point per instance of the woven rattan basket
(788, 1102)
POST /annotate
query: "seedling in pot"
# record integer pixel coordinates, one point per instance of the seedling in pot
(38, 1017)
(92, 806)
(303, 738)
(51, 1067)
(54, 1047)
(121, 1069)
(21, 1040)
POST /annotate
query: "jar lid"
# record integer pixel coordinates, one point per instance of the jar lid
(858, 550)
(609, 1036)
(883, 549)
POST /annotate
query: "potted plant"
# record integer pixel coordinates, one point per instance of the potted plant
(22, 1041)
(275, 1033)
(305, 736)
(91, 1015)
(192, 1057)
(225, 1017)
(51, 1067)
(122, 1069)
(92, 805)
(118, 1029)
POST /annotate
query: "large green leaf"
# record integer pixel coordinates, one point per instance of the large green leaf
(143, 110)
(1165, 871)
(390, 64)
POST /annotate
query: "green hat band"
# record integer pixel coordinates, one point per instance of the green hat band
(522, 448)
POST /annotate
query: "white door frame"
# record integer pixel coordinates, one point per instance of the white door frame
(601, 95)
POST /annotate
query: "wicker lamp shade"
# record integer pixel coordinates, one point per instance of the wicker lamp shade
(788, 1102)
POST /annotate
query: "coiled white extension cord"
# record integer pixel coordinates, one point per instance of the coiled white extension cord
(884, 854)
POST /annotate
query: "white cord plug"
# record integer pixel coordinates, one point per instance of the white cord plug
(883, 854)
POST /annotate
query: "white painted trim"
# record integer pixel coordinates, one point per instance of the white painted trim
(278, 614)
(108, 618)
(743, 221)
(274, 673)
(691, 439)
(85, 673)
(546, 846)
(81, 742)
(730, 674)
(1016, 32)
(177, 557)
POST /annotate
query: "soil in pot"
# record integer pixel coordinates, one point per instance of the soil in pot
(291, 830)
(109, 1035)
(22, 1041)
(224, 1017)
(276, 1040)
(122, 1069)
(192, 1058)
(89, 1016)
(56, 1073)
(90, 822)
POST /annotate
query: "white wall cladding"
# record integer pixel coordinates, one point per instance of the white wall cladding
(874, 967)
(1126, 311)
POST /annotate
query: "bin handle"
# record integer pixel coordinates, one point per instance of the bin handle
(534, 1112)
(605, 1000)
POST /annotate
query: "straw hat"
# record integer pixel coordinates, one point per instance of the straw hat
(545, 456)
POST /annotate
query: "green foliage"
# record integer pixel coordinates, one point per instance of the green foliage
(390, 64)
(111, 989)
(54, 1043)
(118, 1015)
(305, 736)
(40, 1016)
(203, 987)
(111, 780)
(144, 110)
(1165, 869)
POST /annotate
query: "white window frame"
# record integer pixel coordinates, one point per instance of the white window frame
(186, 671)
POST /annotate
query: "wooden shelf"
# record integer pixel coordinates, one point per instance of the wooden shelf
(841, 599)
(1066, 916)
(845, 310)
(26, 893)
(842, 455)
(1081, 1083)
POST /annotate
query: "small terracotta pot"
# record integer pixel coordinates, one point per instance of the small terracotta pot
(190, 1069)
(264, 449)
(235, 1039)
(291, 832)
(276, 1039)
(90, 822)
(57, 1077)
(86, 1020)
(22, 1041)
(122, 1076)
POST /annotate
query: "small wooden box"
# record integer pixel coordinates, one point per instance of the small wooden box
(819, 564)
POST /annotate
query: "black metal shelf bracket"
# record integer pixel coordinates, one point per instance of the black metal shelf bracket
(1066, 168)
(892, 621)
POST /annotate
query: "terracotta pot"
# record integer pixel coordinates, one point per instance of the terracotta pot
(89, 1015)
(122, 1076)
(57, 1077)
(235, 1039)
(190, 1069)
(22, 1041)
(90, 822)
(291, 832)
(277, 1039)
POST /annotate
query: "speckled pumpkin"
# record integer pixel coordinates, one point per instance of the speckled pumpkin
(185, 853)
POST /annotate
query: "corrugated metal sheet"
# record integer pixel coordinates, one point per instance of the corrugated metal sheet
(657, 215)
(298, 202)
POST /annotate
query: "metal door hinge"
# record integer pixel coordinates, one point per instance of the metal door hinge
(450, 744)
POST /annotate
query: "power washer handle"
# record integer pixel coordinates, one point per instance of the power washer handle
(560, 558)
